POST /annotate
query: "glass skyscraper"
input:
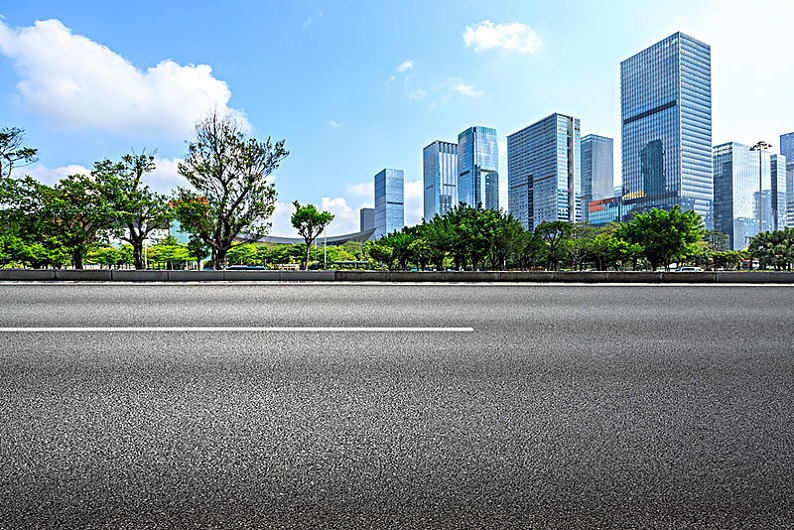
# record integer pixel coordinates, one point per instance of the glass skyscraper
(597, 171)
(665, 100)
(544, 171)
(440, 162)
(478, 167)
(779, 197)
(389, 206)
(737, 195)
(787, 150)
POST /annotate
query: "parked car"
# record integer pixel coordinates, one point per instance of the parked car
(689, 269)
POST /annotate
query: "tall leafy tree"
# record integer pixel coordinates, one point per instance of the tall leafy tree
(665, 236)
(135, 209)
(309, 222)
(552, 234)
(232, 199)
(12, 152)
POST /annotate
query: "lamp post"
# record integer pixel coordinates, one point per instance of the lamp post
(325, 252)
(760, 146)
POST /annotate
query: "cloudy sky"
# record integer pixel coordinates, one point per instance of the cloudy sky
(353, 86)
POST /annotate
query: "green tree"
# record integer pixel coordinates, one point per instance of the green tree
(169, 251)
(665, 236)
(507, 238)
(380, 253)
(198, 250)
(229, 172)
(136, 211)
(309, 222)
(552, 234)
(580, 244)
(12, 152)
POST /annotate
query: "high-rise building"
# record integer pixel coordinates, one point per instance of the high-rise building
(597, 171)
(440, 160)
(738, 196)
(478, 167)
(779, 197)
(544, 171)
(665, 100)
(389, 206)
(787, 150)
(366, 218)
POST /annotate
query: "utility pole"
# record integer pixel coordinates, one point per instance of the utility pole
(760, 146)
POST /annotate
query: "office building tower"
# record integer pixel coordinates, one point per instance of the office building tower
(787, 150)
(544, 171)
(665, 100)
(440, 161)
(739, 198)
(389, 206)
(478, 167)
(366, 218)
(597, 171)
(779, 197)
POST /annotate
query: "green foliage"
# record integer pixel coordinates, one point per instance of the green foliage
(309, 222)
(380, 253)
(775, 249)
(170, 252)
(12, 152)
(135, 210)
(233, 196)
(249, 254)
(552, 234)
(664, 236)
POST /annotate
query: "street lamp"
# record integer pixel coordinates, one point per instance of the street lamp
(760, 146)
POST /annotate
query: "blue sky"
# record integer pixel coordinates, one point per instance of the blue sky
(354, 87)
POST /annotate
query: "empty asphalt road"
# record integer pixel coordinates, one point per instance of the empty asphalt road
(526, 406)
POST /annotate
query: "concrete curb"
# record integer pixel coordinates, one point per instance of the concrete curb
(106, 275)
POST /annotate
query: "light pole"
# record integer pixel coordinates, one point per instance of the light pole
(325, 252)
(760, 146)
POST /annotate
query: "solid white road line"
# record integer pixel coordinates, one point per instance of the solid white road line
(230, 329)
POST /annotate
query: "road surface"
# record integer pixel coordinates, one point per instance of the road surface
(526, 406)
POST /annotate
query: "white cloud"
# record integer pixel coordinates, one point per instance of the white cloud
(334, 124)
(280, 220)
(50, 176)
(307, 22)
(467, 90)
(417, 94)
(405, 65)
(76, 83)
(513, 36)
(362, 189)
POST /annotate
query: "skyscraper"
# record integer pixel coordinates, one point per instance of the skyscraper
(665, 99)
(787, 150)
(478, 167)
(389, 207)
(779, 197)
(737, 193)
(597, 171)
(544, 171)
(366, 218)
(440, 160)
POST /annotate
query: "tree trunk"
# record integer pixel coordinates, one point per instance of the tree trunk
(219, 259)
(77, 259)
(308, 248)
(137, 256)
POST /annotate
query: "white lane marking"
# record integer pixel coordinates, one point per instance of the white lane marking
(229, 329)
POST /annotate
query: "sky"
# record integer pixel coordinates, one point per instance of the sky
(357, 86)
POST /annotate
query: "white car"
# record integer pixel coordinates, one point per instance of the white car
(689, 269)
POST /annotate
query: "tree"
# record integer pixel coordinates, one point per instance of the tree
(229, 173)
(506, 241)
(168, 251)
(136, 210)
(580, 242)
(309, 222)
(12, 153)
(665, 236)
(380, 253)
(198, 250)
(552, 233)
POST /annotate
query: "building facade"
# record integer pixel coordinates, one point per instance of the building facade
(739, 198)
(665, 99)
(544, 171)
(366, 219)
(779, 195)
(440, 163)
(597, 171)
(478, 167)
(787, 150)
(389, 205)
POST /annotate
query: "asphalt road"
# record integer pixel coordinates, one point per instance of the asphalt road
(566, 407)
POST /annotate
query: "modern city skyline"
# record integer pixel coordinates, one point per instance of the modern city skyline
(598, 180)
(440, 170)
(737, 193)
(787, 150)
(389, 201)
(666, 126)
(478, 167)
(544, 171)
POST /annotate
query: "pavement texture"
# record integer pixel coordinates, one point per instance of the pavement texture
(567, 407)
